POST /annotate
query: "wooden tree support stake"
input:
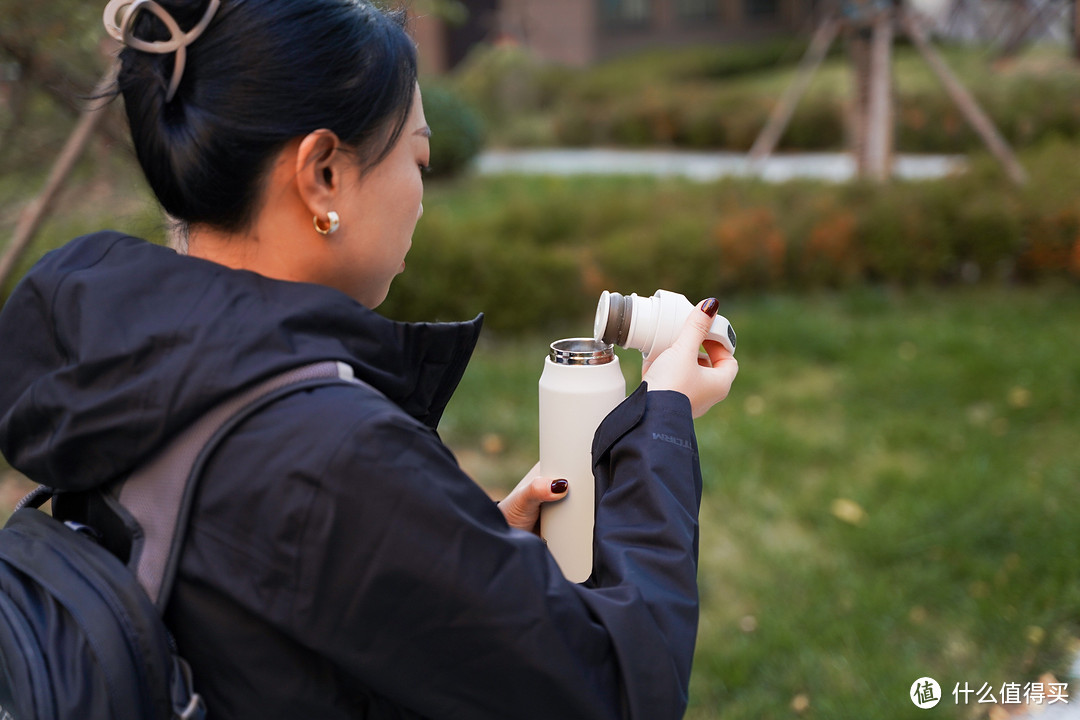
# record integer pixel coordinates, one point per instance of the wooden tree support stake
(873, 110)
(965, 102)
(782, 112)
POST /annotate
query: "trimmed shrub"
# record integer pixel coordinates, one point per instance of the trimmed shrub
(1050, 243)
(752, 247)
(831, 256)
(457, 131)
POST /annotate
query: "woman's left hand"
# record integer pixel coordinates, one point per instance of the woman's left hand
(522, 506)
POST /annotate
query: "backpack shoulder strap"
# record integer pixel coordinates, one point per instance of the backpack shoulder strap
(160, 493)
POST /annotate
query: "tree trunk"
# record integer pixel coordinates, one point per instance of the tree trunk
(879, 115)
(34, 215)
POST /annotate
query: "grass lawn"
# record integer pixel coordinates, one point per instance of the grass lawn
(891, 493)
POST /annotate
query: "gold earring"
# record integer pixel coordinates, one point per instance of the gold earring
(333, 222)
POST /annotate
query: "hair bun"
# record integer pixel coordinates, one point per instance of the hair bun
(264, 73)
(123, 31)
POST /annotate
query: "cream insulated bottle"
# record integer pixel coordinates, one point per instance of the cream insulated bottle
(581, 383)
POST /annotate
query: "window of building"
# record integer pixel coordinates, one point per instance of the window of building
(762, 8)
(627, 12)
(696, 9)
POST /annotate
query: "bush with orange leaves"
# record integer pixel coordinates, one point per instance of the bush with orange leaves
(1052, 244)
(753, 249)
(831, 255)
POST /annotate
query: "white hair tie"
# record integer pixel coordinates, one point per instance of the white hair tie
(178, 39)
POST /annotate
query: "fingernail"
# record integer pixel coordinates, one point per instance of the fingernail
(559, 487)
(710, 307)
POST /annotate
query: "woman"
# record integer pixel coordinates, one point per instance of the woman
(339, 564)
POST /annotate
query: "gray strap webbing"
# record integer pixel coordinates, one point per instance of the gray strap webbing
(158, 495)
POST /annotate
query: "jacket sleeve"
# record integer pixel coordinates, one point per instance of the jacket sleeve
(412, 582)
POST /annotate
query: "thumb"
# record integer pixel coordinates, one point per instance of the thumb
(697, 326)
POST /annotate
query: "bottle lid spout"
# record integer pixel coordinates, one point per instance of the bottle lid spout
(612, 322)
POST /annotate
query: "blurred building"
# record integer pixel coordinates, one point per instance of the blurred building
(581, 32)
(443, 44)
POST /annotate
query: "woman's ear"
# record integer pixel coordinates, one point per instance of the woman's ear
(318, 171)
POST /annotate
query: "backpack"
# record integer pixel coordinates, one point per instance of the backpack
(82, 592)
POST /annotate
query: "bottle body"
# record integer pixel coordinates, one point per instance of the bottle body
(581, 383)
(651, 324)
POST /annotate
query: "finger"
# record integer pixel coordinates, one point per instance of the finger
(521, 507)
(544, 489)
(722, 375)
(717, 352)
(533, 491)
(515, 498)
(697, 325)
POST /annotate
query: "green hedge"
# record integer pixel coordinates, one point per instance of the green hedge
(720, 98)
(535, 251)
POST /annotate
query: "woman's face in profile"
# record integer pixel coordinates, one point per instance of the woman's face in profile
(379, 212)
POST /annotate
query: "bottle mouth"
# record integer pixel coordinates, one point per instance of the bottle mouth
(613, 313)
(581, 351)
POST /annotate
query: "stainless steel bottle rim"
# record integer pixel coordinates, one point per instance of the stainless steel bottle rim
(581, 351)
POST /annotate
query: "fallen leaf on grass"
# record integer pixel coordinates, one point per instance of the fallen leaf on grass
(800, 703)
(848, 511)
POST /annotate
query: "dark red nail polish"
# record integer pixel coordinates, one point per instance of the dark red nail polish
(559, 487)
(710, 307)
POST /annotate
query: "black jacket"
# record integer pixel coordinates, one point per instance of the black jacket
(339, 563)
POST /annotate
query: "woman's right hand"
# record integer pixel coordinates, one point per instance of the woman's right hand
(679, 368)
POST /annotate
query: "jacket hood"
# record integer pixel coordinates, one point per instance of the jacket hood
(111, 345)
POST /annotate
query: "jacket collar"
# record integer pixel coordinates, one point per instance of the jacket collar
(113, 344)
(433, 358)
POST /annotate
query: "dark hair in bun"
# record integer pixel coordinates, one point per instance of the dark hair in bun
(263, 73)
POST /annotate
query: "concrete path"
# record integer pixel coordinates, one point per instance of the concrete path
(702, 166)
